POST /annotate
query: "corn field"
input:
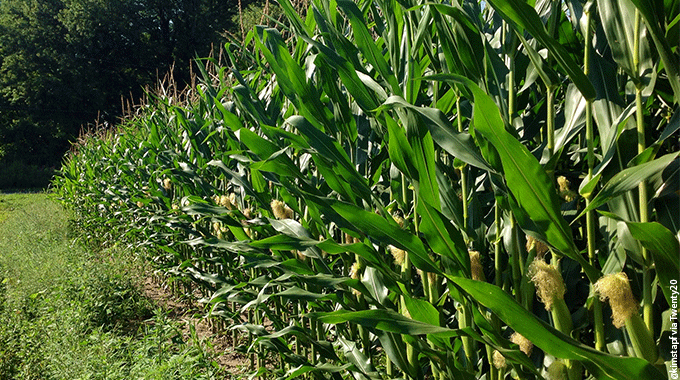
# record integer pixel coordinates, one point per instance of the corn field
(403, 189)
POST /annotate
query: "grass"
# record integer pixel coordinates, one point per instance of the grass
(67, 312)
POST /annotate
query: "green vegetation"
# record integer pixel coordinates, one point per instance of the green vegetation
(68, 64)
(68, 313)
(400, 189)
(22, 175)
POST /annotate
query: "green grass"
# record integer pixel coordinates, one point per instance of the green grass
(69, 313)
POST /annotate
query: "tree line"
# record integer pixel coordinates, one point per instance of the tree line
(66, 63)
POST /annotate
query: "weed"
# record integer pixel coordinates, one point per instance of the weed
(80, 314)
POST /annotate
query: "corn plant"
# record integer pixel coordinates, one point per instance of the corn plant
(383, 189)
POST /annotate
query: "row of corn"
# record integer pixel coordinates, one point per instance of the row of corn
(386, 189)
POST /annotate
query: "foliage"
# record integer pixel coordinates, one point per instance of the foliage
(334, 191)
(66, 64)
(67, 313)
(20, 175)
(257, 13)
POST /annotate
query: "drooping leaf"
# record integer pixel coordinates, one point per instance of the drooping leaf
(553, 342)
(386, 320)
(458, 144)
(629, 179)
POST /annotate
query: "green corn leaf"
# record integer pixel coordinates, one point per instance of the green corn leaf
(553, 342)
(460, 42)
(374, 282)
(356, 357)
(421, 310)
(333, 180)
(296, 293)
(663, 245)
(324, 348)
(522, 15)
(387, 231)
(260, 146)
(274, 132)
(385, 320)
(546, 73)
(390, 322)
(442, 236)
(290, 227)
(401, 153)
(289, 74)
(284, 242)
(325, 145)
(423, 147)
(527, 180)
(670, 60)
(395, 349)
(299, 267)
(275, 159)
(347, 73)
(362, 250)
(239, 247)
(302, 369)
(629, 179)
(250, 104)
(366, 44)
(231, 120)
(291, 77)
(237, 179)
(346, 122)
(293, 228)
(620, 31)
(673, 125)
(458, 144)
(452, 206)
(293, 16)
(328, 148)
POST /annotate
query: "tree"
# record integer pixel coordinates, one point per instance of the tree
(32, 82)
(66, 63)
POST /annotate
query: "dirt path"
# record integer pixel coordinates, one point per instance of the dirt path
(189, 315)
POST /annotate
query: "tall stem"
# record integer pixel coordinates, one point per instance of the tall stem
(642, 188)
(550, 120)
(515, 264)
(406, 275)
(497, 247)
(510, 62)
(516, 260)
(411, 353)
(511, 88)
(463, 175)
(590, 216)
